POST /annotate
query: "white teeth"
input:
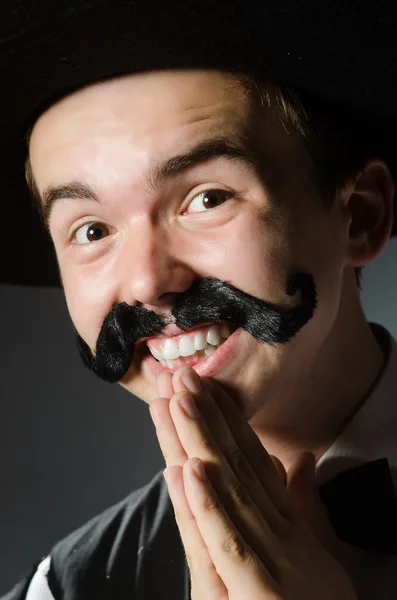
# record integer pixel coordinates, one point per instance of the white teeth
(186, 347)
(170, 350)
(157, 355)
(199, 341)
(213, 336)
(225, 330)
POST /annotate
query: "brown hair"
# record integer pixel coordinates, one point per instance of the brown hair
(338, 141)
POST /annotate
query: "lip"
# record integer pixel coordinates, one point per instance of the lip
(207, 367)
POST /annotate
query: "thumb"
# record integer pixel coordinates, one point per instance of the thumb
(301, 486)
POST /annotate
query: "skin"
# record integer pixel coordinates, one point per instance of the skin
(295, 397)
(107, 135)
(247, 532)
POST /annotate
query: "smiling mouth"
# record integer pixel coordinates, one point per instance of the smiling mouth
(188, 348)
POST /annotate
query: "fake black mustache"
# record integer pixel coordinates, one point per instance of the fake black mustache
(208, 300)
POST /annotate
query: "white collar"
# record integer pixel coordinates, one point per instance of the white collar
(372, 432)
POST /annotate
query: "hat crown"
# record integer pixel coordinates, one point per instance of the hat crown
(345, 52)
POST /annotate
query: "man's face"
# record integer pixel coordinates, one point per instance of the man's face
(145, 239)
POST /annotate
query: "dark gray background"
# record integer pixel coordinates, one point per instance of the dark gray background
(70, 444)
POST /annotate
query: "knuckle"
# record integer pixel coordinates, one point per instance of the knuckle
(167, 455)
(234, 546)
(239, 495)
(241, 463)
(210, 505)
(206, 448)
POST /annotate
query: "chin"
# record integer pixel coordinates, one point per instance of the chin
(142, 390)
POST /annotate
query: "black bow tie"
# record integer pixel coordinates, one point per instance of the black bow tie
(362, 506)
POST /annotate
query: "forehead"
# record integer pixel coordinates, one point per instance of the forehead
(172, 90)
(149, 109)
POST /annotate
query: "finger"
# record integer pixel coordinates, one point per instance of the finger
(205, 581)
(164, 385)
(243, 452)
(197, 440)
(252, 449)
(186, 379)
(170, 444)
(240, 569)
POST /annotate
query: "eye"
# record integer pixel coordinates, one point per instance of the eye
(208, 199)
(91, 232)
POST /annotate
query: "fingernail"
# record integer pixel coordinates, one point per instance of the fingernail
(189, 406)
(191, 380)
(198, 467)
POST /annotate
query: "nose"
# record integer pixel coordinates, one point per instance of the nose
(153, 271)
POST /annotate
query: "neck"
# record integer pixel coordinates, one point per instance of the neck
(309, 412)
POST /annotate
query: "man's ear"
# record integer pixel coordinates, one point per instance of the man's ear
(370, 208)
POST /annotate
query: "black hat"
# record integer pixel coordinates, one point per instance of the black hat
(345, 51)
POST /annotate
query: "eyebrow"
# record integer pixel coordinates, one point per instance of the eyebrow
(231, 149)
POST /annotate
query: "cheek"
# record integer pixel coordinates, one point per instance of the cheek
(258, 256)
(251, 256)
(88, 305)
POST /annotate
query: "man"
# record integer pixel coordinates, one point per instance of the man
(209, 225)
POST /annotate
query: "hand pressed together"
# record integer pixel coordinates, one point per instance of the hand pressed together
(249, 529)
